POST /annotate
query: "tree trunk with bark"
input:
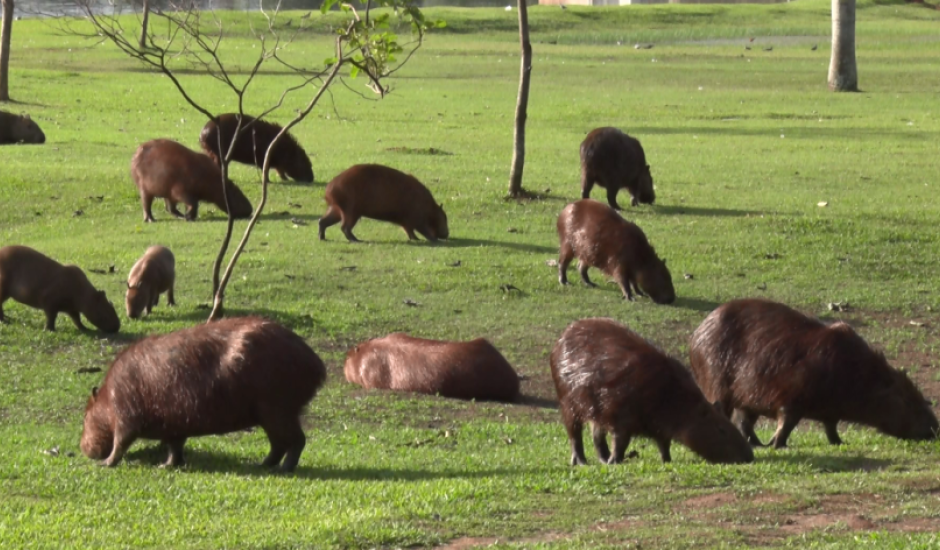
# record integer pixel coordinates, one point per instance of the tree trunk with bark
(5, 31)
(522, 103)
(143, 24)
(843, 72)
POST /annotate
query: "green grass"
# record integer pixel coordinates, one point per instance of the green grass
(743, 145)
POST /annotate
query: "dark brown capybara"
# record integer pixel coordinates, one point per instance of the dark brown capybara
(615, 161)
(19, 129)
(166, 169)
(288, 157)
(210, 379)
(609, 376)
(763, 358)
(38, 281)
(382, 193)
(464, 370)
(599, 237)
(152, 275)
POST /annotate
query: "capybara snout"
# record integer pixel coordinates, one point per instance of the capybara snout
(19, 129)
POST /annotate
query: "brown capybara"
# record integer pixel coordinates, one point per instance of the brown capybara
(254, 138)
(38, 281)
(152, 275)
(210, 379)
(615, 161)
(464, 370)
(166, 169)
(19, 129)
(763, 358)
(599, 237)
(382, 193)
(609, 376)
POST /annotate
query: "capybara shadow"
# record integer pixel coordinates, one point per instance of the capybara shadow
(695, 304)
(680, 210)
(19, 129)
(153, 274)
(456, 242)
(613, 160)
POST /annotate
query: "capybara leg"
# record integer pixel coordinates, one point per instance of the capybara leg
(192, 211)
(347, 227)
(175, 447)
(786, 421)
(565, 255)
(281, 174)
(621, 441)
(278, 450)
(50, 319)
(575, 428)
(832, 432)
(427, 234)
(77, 319)
(612, 197)
(146, 202)
(582, 269)
(748, 419)
(636, 288)
(625, 289)
(170, 300)
(121, 445)
(296, 441)
(332, 217)
(600, 442)
(664, 445)
(634, 201)
(587, 183)
(172, 209)
(411, 233)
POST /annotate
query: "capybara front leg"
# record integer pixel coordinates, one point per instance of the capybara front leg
(786, 421)
(600, 442)
(565, 255)
(582, 269)
(192, 211)
(832, 432)
(621, 440)
(170, 299)
(146, 202)
(175, 448)
(612, 197)
(587, 183)
(411, 234)
(636, 288)
(172, 209)
(281, 174)
(575, 431)
(121, 445)
(296, 441)
(625, 289)
(51, 316)
(332, 217)
(347, 227)
(77, 319)
(664, 445)
(748, 419)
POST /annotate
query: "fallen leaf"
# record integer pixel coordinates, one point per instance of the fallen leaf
(822, 204)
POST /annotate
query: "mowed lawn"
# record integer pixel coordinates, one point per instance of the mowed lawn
(767, 185)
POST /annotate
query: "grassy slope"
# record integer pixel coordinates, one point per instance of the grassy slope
(743, 145)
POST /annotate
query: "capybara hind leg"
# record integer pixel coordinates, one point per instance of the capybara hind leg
(332, 217)
(600, 442)
(625, 289)
(170, 299)
(146, 202)
(664, 445)
(587, 183)
(296, 441)
(172, 209)
(575, 428)
(621, 441)
(582, 269)
(281, 174)
(192, 211)
(51, 316)
(175, 448)
(636, 288)
(565, 255)
(786, 421)
(748, 419)
(832, 432)
(347, 227)
(612, 197)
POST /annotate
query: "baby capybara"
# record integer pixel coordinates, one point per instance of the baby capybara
(38, 281)
(152, 275)
(465, 370)
(382, 193)
(609, 376)
(166, 169)
(254, 138)
(19, 129)
(766, 359)
(615, 161)
(599, 237)
(210, 379)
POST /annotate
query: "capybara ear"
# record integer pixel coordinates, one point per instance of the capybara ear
(441, 205)
(101, 294)
(717, 406)
(26, 117)
(664, 261)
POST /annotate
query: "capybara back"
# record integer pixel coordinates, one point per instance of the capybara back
(612, 159)
(288, 158)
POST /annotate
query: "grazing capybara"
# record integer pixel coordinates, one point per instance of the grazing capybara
(166, 169)
(288, 157)
(609, 376)
(210, 379)
(614, 160)
(19, 129)
(38, 281)
(382, 193)
(464, 370)
(152, 275)
(763, 358)
(599, 237)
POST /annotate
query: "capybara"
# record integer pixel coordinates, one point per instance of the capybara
(609, 376)
(288, 157)
(152, 275)
(210, 379)
(465, 370)
(38, 281)
(166, 169)
(19, 129)
(382, 193)
(614, 160)
(763, 358)
(599, 237)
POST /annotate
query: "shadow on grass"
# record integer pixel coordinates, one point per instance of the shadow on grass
(709, 212)
(200, 315)
(537, 402)
(827, 464)
(468, 243)
(695, 304)
(801, 132)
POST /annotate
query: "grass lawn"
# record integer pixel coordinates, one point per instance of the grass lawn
(743, 144)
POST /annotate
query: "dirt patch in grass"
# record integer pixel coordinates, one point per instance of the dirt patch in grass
(467, 542)
(713, 500)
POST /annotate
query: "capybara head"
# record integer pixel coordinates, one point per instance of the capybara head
(99, 311)
(655, 280)
(713, 437)
(27, 131)
(903, 411)
(238, 202)
(644, 187)
(136, 299)
(298, 167)
(97, 437)
(438, 223)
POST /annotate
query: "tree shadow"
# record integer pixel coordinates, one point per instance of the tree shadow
(701, 211)
(695, 304)
(9, 102)
(524, 247)
(200, 314)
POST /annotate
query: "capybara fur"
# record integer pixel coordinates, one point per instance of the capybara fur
(382, 193)
(165, 169)
(152, 275)
(615, 161)
(211, 379)
(19, 129)
(763, 358)
(599, 237)
(288, 158)
(609, 376)
(464, 370)
(38, 281)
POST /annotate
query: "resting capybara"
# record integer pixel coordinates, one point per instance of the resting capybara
(38, 281)
(210, 379)
(288, 157)
(19, 129)
(766, 359)
(615, 161)
(166, 169)
(609, 376)
(465, 370)
(382, 193)
(599, 237)
(152, 275)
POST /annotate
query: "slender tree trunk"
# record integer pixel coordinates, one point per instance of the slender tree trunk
(143, 24)
(843, 73)
(522, 103)
(5, 31)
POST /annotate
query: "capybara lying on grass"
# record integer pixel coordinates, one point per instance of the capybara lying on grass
(382, 193)
(599, 237)
(766, 359)
(615, 161)
(19, 129)
(288, 157)
(38, 281)
(465, 370)
(609, 376)
(152, 275)
(210, 379)
(166, 169)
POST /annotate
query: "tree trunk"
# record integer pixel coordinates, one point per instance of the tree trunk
(143, 24)
(843, 73)
(525, 74)
(5, 49)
